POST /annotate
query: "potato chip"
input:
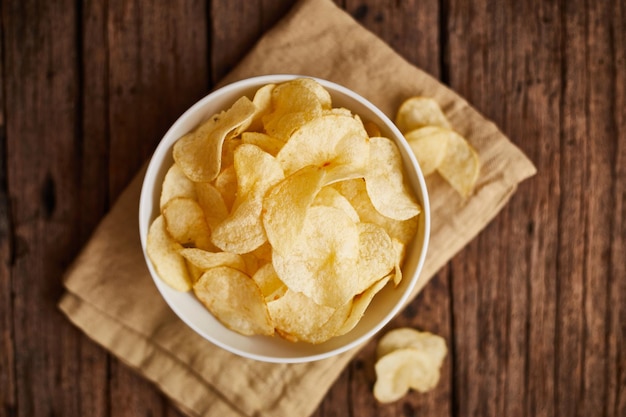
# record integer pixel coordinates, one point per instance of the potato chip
(205, 260)
(417, 112)
(163, 251)
(384, 181)
(399, 249)
(323, 96)
(271, 286)
(263, 102)
(264, 141)
(400, 370)
(429, 144)
(293, 105)
(199, 153)
(355, 192)
(235, 300)
(372, 129)
(185, 222)
(176, 184)
(360, 304)
(286, 204)
(226, 184)
(406, 337)
(461, 165)
(212, 203)
(322, 262)
(242, 231)
(336, 143)
(300, 319)
(330, 197)
(377, 255)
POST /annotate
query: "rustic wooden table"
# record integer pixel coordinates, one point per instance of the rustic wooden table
(533, 310)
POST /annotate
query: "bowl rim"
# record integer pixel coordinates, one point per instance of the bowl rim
(153, 168)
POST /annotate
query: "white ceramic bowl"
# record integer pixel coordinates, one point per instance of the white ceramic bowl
(385, 305)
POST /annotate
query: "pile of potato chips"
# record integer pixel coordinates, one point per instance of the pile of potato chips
(284, 215)
(407, 359)
(436, 146)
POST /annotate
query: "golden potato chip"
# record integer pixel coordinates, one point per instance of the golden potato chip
(322, 95)
(271, 286)
(163, 251)
(322, 262)
(293, 104)
(235, 300)
(330, 197)
(185, 222)
(242, 231)
(360, 304)
(400, 370)
(285, 206)
(384, 181)
(212, 203)
(263, 102)
(429, 144)
(205, 260)
(417, 112)
(226, 184)
(355, 192)
(176, 184)
(337, 143)
(377, 255)
(372, 129)
(199, 153)
(399, 249)
(461, 165)
(405, 337)
(300, 319)
(264, 141)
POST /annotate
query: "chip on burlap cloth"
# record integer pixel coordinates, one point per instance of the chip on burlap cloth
(110, 294)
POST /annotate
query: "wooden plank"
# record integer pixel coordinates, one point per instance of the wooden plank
(236, 27)
(39, 75)
(503, 60)
(614, 404)
(156, 69)
(7, 331)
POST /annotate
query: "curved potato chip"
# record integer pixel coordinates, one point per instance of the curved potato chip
(360, 304)
(405, 337)
(377, 255)
(199, 153)
(285, 206)
(212, 203)
(355, 192)
(417, 112)
(322, 262)
(384, 181)
(264, 141)
(337, 143)
(330, 197)
(293, 104)
(323, 96)
(235, 300)
(301, 319)
(176, 184)
(205, 260)
(242, 231)
(226, 184)
(461, 166)
(429, 144)
(372, 129)
(401, 370)
(163, 252)
(271, 286)
(263, 101)
(185, 222)
(399, 250)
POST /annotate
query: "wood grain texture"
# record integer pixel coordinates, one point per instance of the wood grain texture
(533, 310)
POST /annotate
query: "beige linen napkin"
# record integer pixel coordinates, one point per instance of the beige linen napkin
(112, 298)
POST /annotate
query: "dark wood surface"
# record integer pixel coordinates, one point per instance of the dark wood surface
(533, 310)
